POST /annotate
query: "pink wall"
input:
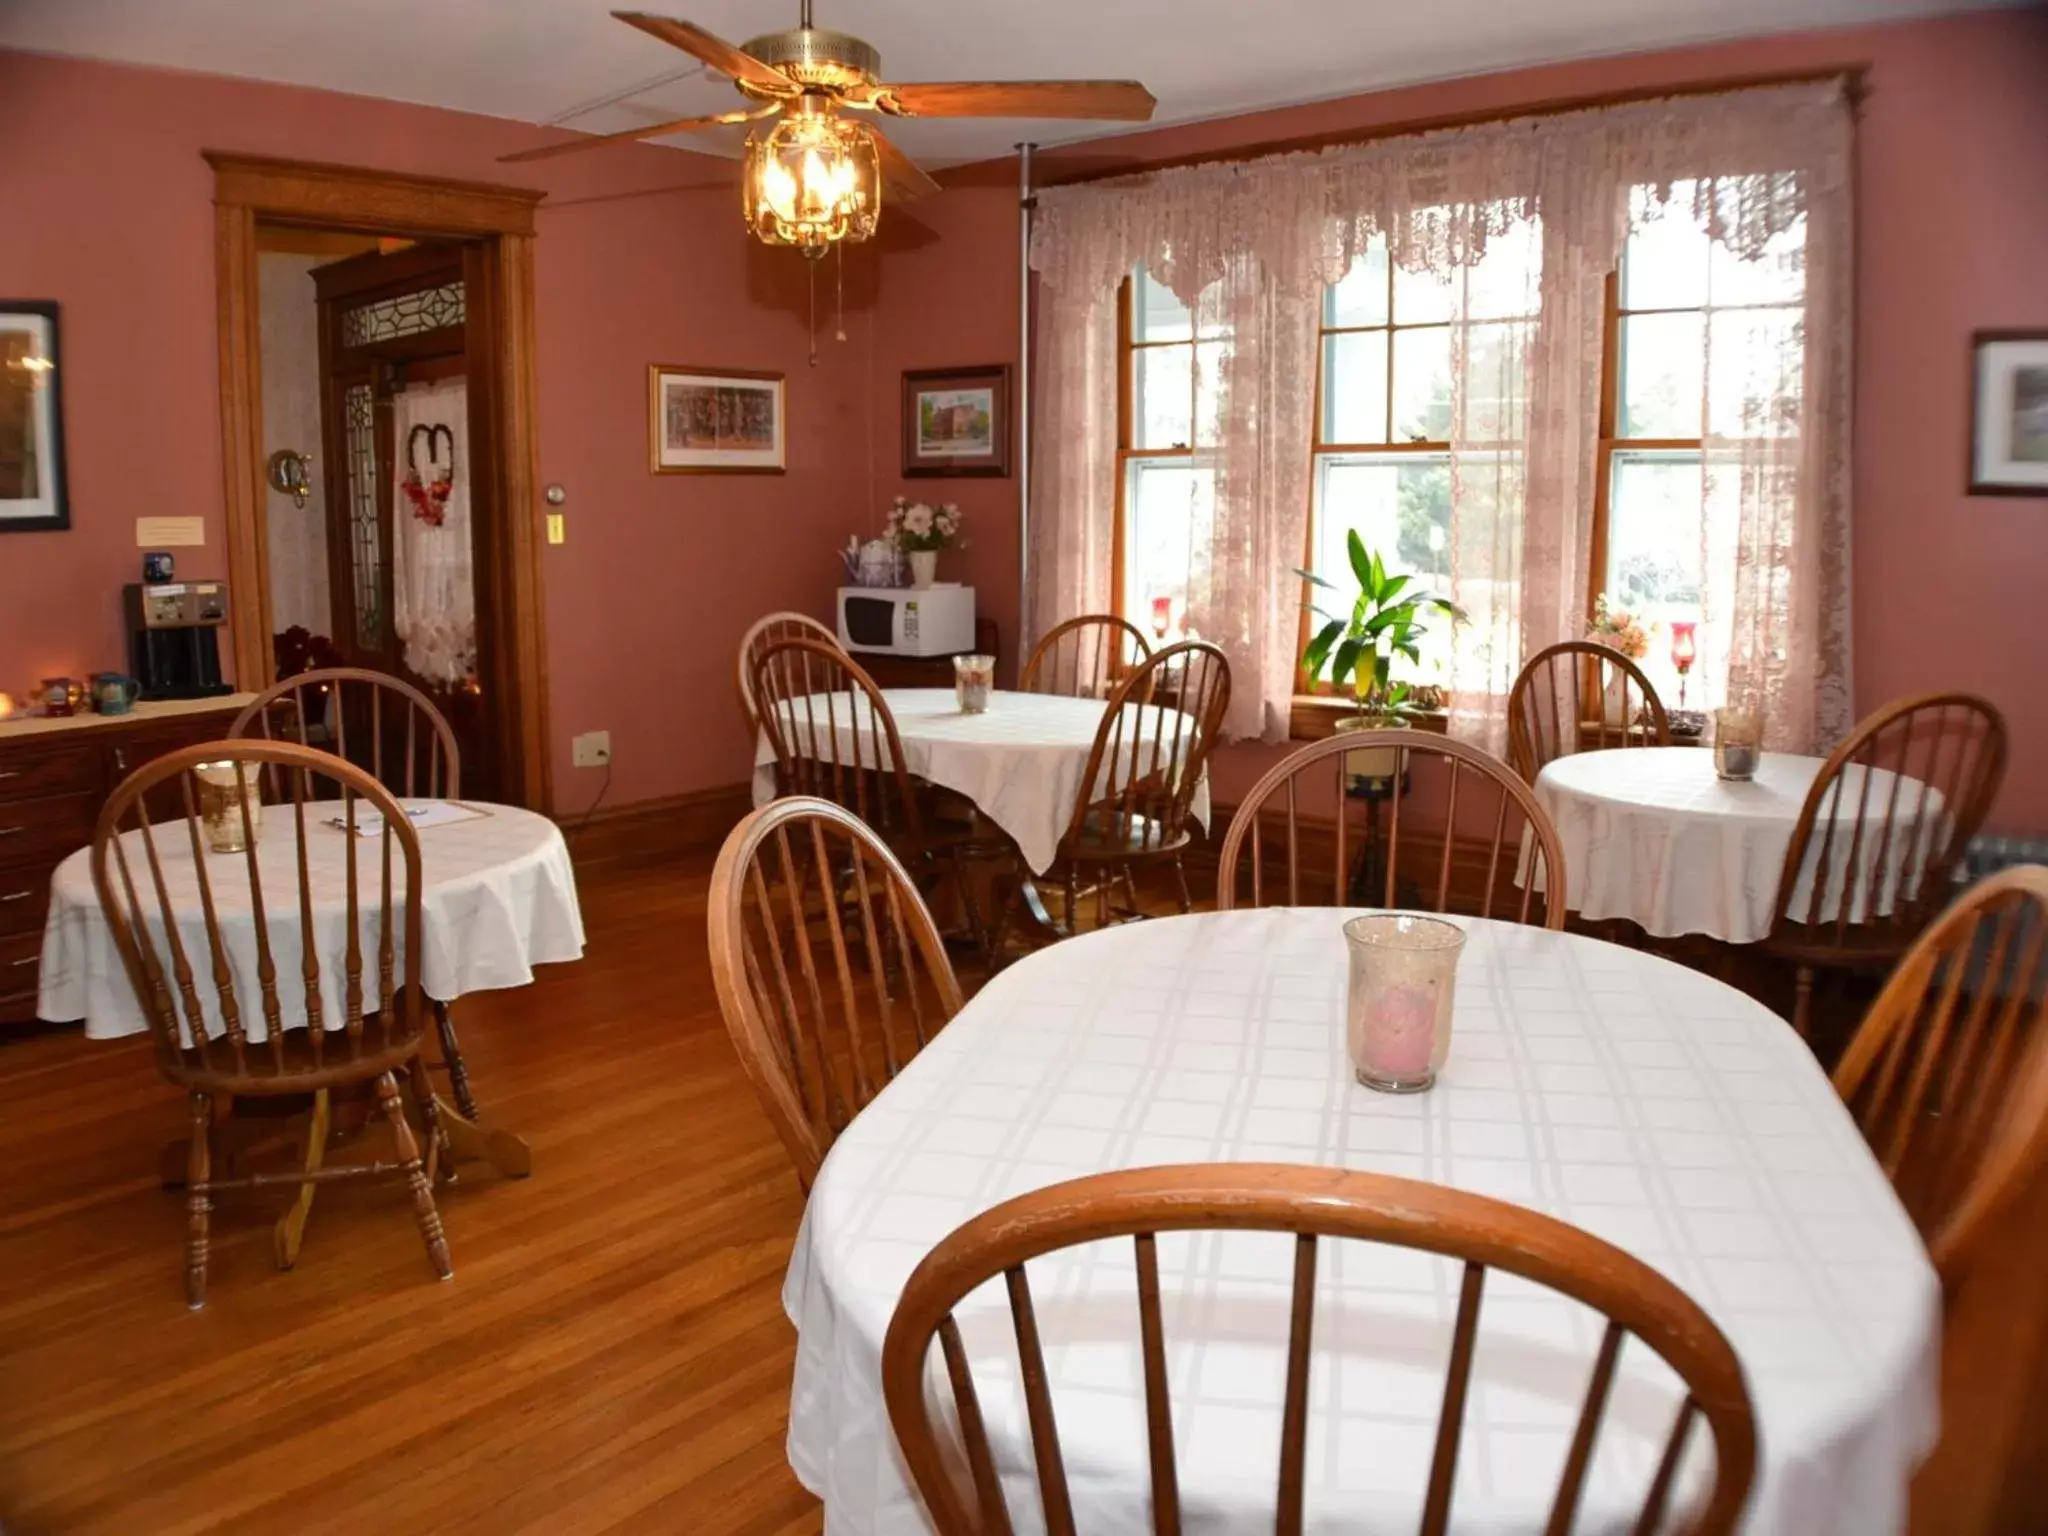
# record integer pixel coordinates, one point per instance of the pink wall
(641, 258)
(1953, 215)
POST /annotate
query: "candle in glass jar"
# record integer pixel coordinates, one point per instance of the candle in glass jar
(1404, 971)
(973, 680)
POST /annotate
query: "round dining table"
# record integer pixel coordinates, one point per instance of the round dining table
(1646, 1103)
(1653, 835)
(1020, 761)
(497, 897)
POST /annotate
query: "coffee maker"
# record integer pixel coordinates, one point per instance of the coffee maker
(174, 637)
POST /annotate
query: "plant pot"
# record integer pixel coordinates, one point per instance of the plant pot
(1373, 763)
(924, 567)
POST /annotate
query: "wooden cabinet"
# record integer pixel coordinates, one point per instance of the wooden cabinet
(54, 777)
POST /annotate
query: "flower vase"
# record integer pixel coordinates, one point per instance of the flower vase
(924, 566)
(1615, 704)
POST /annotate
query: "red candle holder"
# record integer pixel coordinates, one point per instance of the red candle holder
(1684, 648)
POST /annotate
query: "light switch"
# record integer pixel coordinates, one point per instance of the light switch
(558, 528)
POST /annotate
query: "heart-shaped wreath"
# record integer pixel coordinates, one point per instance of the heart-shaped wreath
(429, 500)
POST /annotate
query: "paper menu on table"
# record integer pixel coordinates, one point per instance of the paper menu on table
(422, 815)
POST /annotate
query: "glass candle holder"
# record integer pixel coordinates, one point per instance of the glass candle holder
(1404, 972)
(1738, 743)
(974, 678)
(224, 789)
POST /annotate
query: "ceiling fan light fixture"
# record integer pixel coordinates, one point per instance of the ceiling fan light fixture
(813, 180)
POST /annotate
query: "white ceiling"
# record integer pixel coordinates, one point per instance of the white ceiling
(567, 61)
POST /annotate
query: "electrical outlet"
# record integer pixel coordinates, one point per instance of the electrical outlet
(593, 749)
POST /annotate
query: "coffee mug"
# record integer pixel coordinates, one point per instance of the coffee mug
(113, 693)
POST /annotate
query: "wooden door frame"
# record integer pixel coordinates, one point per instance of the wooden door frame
(498, 223)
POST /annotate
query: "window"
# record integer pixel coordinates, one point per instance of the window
(1699, 389)
(1702, 348)
(1172, 378)
(1384, 403)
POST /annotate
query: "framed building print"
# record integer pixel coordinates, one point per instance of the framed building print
(956, 421)
(2009, 413)
(32, 487)
(714, 421)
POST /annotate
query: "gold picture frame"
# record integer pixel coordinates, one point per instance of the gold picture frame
(715, 421)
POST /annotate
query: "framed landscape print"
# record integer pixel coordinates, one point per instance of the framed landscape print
(704, 421)
(956, 421)
(32, 494)
(2009, 414)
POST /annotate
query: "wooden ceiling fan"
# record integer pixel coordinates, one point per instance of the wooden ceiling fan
(815, 170)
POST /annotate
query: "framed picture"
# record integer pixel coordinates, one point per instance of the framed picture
(956, 421)
(2009, 414)
(704, 421)
(32, 493)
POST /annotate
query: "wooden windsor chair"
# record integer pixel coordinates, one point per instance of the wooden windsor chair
(829, 970)
(1313, 1204)
(393, 732)
(1449, 850)
(201, 996)
(1135, 807)
(1580, 696)
(1885, 824)
(1948, 1074)
(835, 739)
(764, 632)
(1085, 658)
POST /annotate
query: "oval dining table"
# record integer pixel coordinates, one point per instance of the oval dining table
(1646, 1103)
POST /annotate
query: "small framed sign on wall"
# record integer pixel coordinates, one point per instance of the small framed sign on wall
(2009, 414)
(32, 489)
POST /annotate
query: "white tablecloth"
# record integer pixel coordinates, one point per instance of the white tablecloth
(1021, 762)
(1650, 834)
(498, 897)
(1644, 1102)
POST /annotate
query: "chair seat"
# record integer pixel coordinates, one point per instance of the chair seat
(1141, 837)
(299, 1073)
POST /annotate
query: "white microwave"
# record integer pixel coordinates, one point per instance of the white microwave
(907, 621)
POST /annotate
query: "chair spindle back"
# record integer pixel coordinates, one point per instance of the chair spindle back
(1394, 818)
(380, 723)
(829, 970)
(1948, 1073)
(1580, 696)
(1312, 1204)
(834, 737)
(1885, 822)
(1085, 658)
(764, 632)
(203, 1012)
(1151, 751)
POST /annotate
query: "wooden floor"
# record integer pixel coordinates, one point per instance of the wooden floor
(611, 1355)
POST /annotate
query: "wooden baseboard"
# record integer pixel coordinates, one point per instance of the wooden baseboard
(658, 829)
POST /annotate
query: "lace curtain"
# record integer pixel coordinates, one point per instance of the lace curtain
(1269, 235)
(433, 576)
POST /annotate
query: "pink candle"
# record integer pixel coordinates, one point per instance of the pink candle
(1403, 969)
(1400, 1030)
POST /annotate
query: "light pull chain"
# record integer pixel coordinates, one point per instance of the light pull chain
(839, 278)
(811, 267)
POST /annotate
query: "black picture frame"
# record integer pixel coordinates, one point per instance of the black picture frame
(1993, 377)
(994, 463)
(58, 516)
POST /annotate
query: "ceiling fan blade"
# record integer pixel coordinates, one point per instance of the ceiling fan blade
(900, 175)
(651, 131)
(715, 51)
(1120, 100)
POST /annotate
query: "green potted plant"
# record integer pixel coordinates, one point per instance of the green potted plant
(1358, 650)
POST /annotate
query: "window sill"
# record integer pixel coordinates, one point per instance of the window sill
(1315, 716)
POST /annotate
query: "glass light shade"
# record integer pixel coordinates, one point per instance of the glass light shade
(1684, 648)
(811, 181)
